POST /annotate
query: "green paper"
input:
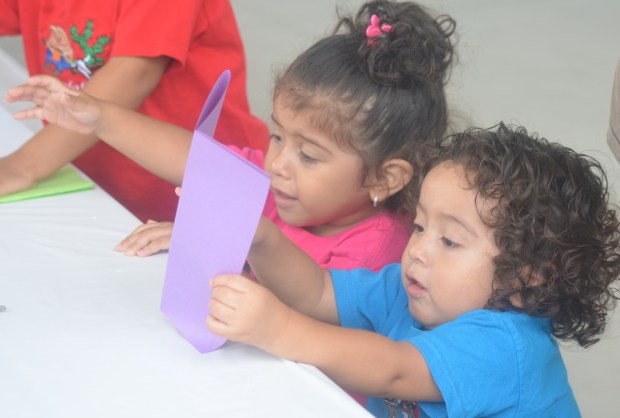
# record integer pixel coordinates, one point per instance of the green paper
(65, 180)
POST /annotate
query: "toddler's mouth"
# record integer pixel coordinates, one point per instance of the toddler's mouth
(283, 199)
(414, 287)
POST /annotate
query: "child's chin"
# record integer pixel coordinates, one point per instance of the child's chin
(425, 320)
(290, 218)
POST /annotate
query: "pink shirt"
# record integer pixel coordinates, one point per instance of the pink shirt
(372, 243)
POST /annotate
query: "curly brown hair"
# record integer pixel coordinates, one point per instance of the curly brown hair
(556, 231)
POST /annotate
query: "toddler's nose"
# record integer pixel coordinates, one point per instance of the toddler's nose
(418, 248)
(279, 165)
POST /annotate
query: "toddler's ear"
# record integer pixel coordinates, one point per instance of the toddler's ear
(536, 279)
(394, 175)
(531, 279)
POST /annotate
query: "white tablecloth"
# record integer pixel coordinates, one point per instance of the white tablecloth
(83, 336)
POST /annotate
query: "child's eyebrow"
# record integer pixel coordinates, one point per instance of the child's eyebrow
(451, 218)
(314, 143)
(458, 221)
(302, 137)
(275, 120)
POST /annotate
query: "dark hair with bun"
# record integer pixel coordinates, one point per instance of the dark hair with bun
(380, 98)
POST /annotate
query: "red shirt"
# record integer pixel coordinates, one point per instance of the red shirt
(71, 39)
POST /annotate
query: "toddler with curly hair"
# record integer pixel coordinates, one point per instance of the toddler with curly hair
(515, 245)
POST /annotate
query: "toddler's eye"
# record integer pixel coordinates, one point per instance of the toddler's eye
(306, 158)
(275, 137)
(449, 243)
(417, 228)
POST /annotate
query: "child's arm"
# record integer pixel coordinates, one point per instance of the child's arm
(121, 84)
(245, 311)
(364, 361)
(292, 274)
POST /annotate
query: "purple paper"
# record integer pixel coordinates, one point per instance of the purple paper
(221, 202)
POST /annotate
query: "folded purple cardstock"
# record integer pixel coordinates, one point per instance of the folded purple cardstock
(220, 204)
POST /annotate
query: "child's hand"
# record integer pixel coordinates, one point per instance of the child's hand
(57, 104)
(243, 310)
(147, 239)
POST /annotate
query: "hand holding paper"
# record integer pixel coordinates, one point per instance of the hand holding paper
(243, 310)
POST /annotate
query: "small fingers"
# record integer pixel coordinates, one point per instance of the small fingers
(241, 309)
(227, 292)
(220, 310)
(48, 104)
(27, 92)
(33, 113)
(46, 81)
(218, 327)
(225, 311)
(13, 94)
(135, 238)
(152, 247)
(220, 319)
(20, 93)
(236, 282)
(147, 239)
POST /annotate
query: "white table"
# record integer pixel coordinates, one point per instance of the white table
(83, 336)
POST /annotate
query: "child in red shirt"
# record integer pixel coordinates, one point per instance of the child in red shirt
(159, 60)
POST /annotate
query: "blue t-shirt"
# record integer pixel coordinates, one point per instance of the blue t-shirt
(485, 363)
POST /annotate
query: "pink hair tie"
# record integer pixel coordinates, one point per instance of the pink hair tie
(374, 30)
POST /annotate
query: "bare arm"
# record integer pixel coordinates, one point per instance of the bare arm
(364, 361)
(160, 147)
(125, 81)
(310, 333)
(243, 310)
(292, 274)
